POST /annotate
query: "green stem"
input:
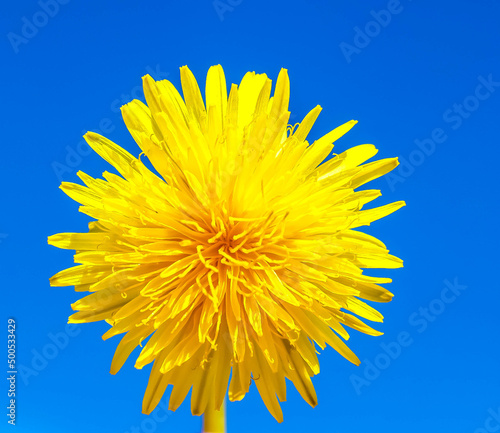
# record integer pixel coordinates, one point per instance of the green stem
(214, 421)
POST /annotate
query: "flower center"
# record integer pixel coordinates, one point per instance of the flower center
(250, 243)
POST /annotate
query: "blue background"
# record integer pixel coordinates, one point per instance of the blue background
(401, 81)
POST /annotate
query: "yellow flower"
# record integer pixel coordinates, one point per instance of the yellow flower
(239, 255)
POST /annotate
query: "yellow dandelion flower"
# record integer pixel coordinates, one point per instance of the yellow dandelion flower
(240, 255)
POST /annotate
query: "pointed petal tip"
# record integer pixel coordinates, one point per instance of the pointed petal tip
(139, 364)
(185, 70)
(122, 107)
(173, 406)
(91, 134)
(106, 336)
(147, 409)
(214, 68)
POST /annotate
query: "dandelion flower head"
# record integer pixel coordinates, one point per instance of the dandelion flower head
(228, 250)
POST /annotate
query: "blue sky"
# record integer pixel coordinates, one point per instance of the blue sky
(423, 80)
